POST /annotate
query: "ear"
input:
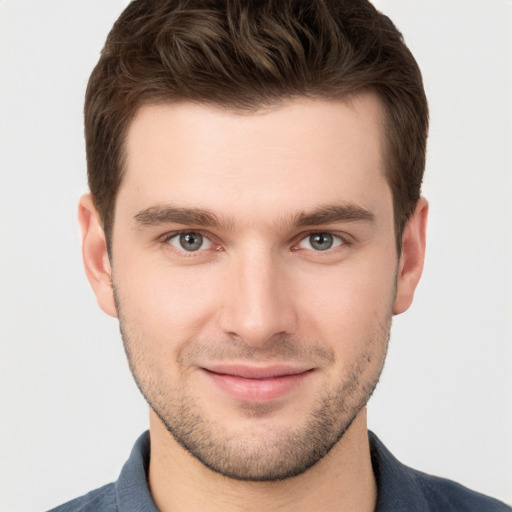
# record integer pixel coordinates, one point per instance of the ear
(95, 255)
(410, 266)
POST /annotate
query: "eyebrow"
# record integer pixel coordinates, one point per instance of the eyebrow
(334, 213)
(157, 215)
(328, 214)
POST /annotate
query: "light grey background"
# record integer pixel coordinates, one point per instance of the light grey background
(69, 410)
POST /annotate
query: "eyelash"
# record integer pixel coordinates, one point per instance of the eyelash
(207, 236)
(342, 237)
(339, 241)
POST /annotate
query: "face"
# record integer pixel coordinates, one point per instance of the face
(255, 276)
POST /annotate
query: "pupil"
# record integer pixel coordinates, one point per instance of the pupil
(191, 241)
(321, 241)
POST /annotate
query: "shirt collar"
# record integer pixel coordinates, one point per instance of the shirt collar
(398, 489)
(132, 492)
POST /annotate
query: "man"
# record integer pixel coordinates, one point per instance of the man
(255, 221)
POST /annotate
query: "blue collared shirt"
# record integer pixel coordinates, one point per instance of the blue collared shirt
(400, 488)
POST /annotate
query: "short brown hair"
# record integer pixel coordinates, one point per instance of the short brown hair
(247, 54)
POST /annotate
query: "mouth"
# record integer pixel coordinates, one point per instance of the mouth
(257, 384)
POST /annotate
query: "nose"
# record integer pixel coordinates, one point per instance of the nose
(256, 303)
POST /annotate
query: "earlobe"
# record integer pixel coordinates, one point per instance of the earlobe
(412, 256)
(95, 255)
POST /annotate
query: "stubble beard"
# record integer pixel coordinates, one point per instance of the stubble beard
(283, 453)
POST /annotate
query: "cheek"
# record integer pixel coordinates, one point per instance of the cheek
(164, 301)
(348, 305)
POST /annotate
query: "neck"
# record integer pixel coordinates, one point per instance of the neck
(342, 481)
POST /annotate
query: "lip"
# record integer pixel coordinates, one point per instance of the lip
(257, 384)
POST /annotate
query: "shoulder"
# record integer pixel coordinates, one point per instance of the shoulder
(446, 495)
(129, 492)
(402, 489)
(99, 500)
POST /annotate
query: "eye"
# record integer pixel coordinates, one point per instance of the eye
(321, 241)
(189, 241)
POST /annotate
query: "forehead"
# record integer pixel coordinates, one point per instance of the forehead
(296, 154)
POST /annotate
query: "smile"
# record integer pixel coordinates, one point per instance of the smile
(257, 384)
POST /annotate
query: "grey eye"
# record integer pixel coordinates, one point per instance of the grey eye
(189, 241)
(321, 241)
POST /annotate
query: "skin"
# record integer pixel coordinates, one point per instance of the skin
(256, 295)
